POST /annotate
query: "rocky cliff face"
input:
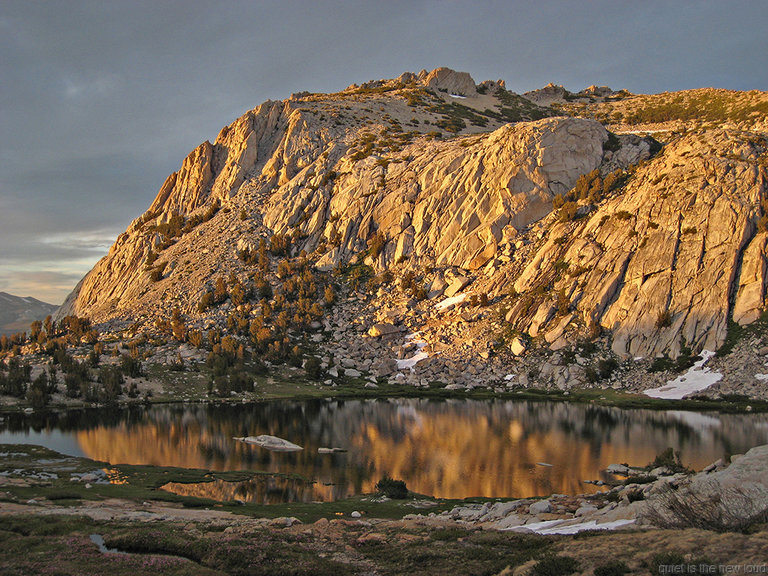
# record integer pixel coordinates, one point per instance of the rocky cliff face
(443, 203)
(432, 172)
(663, 264)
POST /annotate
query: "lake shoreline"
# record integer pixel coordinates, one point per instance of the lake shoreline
(351, 389)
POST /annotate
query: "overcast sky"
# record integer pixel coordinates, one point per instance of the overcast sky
(100, 101)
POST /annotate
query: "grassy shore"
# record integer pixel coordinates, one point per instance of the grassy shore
(170, 386)
(52, 526)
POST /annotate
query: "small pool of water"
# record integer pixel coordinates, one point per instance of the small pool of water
(442, 448)
(98, 539)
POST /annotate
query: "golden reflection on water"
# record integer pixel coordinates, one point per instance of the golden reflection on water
(260, 490)
(443, 449)
(452, 457)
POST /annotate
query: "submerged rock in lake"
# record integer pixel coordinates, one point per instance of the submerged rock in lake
(330, 450)
(271, 443)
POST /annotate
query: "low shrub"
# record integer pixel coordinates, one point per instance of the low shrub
(661, 364)
(568, 212)
(376, 244)
(553, 565)
(63, 495)
(664, 319)
(661, 562)
(313, 368)
(635, 495)
(643, 479)
(601, 370)
(616, 568)
(395, 489)
(669, 459)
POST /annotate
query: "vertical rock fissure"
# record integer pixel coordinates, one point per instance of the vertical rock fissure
(733, 288)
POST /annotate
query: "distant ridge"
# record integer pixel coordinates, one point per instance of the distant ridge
(17, 313)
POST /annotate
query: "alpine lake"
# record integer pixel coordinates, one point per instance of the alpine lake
(442, 448)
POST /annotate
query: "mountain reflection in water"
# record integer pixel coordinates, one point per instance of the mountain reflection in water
(449, 449)
(261, 489)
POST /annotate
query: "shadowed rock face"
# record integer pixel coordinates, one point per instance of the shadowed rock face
(662, 263)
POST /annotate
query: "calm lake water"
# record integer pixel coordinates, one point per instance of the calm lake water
(443, 448)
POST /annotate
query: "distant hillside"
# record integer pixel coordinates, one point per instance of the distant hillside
(16, 313)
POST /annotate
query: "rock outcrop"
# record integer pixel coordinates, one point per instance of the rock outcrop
(217, 170)
(450, 203)
(336, 185)
(447, 80)
(550, 93)
(660, 264)
(721, 497)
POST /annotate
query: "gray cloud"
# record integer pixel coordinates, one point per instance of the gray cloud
(46, 285)
(101, 100)
(59, 247)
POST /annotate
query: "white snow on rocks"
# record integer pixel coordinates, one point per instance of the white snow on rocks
(696, 379)
(416, 358)
(562, 526)
(412, 361)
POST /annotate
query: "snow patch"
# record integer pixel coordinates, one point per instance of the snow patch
(412, 361)
(593, 525)
(534, 526)
(416, 358)
(761, 377)
(458, 96)
(556, 526)
(696, 379)
(640, 131)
